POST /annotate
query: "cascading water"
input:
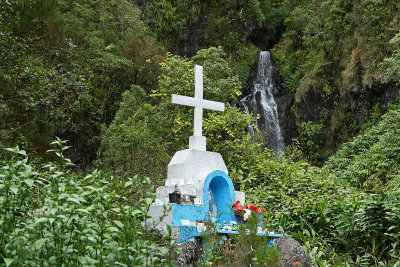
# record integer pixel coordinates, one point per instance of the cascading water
(261, 101)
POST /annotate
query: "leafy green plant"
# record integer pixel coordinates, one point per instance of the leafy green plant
(148, 128)
(54, 217)
(65, 66)
(373, 155)
(244, 249)
(346, 213)
(311, 139)
(391, 65)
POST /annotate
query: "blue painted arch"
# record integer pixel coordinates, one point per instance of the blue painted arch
(222, 189)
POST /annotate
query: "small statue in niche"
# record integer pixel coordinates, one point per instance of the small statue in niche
(212, 210)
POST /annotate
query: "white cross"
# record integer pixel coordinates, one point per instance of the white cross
(198, 103)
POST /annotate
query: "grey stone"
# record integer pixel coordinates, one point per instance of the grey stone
(291, 251)
(157, 213)
(189, 255)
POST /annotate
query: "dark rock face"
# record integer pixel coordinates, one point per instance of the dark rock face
(378, 92)
(291, 251)
(285, 101)
(342, 103)
(347, 108)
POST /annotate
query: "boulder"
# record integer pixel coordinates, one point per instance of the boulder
(189, 255)
(291, 251)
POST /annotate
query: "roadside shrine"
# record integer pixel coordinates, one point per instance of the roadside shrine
(199, 182)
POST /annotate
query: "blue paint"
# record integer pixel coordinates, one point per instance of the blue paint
(221, 186)
(271, 242)
(273, 236)
(187, 212)
(187, 233)
(222, 189)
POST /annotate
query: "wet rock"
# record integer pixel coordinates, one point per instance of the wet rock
(283, 98)
(291, 251)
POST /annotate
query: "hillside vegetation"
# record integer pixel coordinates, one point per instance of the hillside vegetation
(333, 57)
(347, 213)
(100, 75)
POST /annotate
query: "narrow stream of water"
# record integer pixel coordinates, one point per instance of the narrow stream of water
(261, 101)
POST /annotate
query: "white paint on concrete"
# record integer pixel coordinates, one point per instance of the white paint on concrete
(197, 142)
(162, 192)
(186, 165)
(156, 213)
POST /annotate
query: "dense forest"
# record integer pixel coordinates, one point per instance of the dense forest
(87, 125)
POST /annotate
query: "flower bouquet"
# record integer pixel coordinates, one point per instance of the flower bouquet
(244, 213)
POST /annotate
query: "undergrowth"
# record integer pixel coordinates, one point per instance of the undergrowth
(50, 216)
(346, 213)
(243, 249)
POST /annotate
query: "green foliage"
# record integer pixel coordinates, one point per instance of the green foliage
(346, 213)
(288, 62)
(143, 136)
(340, 44)
(374, 155)
(230, 24)
(81, 69)
(49, 216)
(246, 59)
(311, 139)
(129, 144)
(120, 50)
(169, 19)
(65, 65)
(391, 65)
(219, 82)
(30, 18)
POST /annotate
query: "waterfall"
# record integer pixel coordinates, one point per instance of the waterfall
(261, 101)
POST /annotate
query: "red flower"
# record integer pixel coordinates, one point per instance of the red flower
(253, 208)
(236, 203)
(238, 208)
(296, 263)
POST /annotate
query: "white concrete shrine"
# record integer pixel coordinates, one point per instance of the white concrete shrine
(198, 187)
(200, 176)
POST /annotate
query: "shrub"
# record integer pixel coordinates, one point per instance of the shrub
(244, 249)
(49, 216)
